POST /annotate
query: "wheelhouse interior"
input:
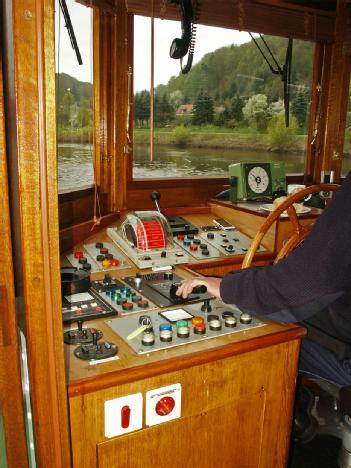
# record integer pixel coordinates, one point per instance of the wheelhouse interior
(53, 406)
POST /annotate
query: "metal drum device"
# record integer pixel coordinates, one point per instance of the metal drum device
(146, 237)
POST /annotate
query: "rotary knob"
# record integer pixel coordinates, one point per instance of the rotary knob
(165, 406)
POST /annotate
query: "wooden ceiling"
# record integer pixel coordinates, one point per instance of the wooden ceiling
(310, 20)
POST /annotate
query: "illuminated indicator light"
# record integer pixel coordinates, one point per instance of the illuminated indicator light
(106, 263)
(114, 262)
(181, 323)
(197, 321)
(78, 254)
(200, 329)
(165, 326)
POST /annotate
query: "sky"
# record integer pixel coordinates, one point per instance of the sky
(208, 39)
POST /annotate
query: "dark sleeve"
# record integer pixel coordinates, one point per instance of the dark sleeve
(313, 276)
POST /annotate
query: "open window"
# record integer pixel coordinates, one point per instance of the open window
(228, 108)
(74, 96)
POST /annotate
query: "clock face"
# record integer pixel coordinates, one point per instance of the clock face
(258, 179)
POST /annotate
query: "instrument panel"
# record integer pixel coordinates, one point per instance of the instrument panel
(142, 308)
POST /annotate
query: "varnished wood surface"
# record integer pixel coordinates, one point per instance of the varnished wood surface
(11, 405)
(31, 118)
(231, 409)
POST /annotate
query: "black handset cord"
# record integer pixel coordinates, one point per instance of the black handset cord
(187, 67)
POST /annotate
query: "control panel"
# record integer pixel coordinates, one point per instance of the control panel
(160, 288)
(101, 256)
(158, 330)
(228, 242)
(120, 297)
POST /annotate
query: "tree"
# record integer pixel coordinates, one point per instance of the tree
(299, 106)
(164, 111)
(280, 137)
(203, 111)
(255, 111)
(142, 108)
(236, 108)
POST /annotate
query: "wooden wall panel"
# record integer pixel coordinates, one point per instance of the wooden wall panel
(11, 400)
(231, 384)
(30, 113)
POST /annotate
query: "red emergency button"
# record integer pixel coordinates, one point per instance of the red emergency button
(165, 406)
(125, 416)
(78, 254)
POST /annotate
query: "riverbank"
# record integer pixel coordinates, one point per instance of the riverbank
(215, 138)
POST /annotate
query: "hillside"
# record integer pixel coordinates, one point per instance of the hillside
(241, 70)
(80, 90)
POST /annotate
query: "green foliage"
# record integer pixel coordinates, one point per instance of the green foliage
(203, 112)
(181, 135)
(164, 111)
(280, 137)
(299, 106)
(241, 70)
(142, 109)
(256, 111)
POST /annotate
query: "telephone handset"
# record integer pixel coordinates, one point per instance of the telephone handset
(180, 46)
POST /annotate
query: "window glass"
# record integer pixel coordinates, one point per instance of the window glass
(228, 108)
(74, 98)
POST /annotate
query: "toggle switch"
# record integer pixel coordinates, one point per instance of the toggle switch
(125, 416)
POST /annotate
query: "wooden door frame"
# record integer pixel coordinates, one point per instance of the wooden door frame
(11, 400)
(29, 90)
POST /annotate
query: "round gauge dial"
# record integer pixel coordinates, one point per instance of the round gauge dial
(258, 179)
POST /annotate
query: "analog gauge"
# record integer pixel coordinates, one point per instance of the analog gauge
(258, 179)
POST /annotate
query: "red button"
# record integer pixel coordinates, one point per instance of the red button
(165, 406)
(125, 416)
(180, 237)
(114, 262)
(77, 312)
(78, 254)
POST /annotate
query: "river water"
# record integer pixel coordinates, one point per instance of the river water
(75, 168)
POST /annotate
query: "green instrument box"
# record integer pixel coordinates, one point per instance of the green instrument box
(256, 180)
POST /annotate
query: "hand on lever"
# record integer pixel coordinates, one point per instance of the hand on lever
(186, 286)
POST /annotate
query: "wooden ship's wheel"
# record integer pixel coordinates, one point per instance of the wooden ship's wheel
(299, 231)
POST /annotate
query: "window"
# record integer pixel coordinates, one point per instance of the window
(228, 108)
(74, 98)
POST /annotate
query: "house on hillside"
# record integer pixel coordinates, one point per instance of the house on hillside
(185, 109)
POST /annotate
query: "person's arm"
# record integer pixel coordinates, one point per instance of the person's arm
(313, 276)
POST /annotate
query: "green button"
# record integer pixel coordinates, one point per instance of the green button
(181, 323)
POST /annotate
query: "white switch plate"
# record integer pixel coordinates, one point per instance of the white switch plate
(113, 412)
(153, 396)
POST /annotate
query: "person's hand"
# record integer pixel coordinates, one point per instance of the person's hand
(188, 285)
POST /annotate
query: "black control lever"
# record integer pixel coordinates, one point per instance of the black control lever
(155, 196)
(173, 289)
